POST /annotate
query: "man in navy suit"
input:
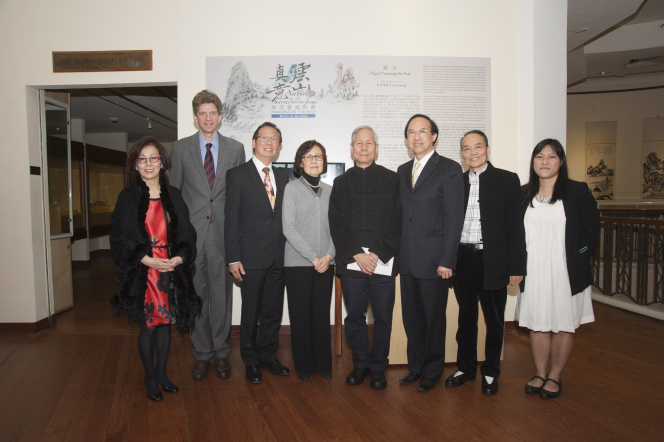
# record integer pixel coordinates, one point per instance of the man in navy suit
(431, 188)
(255, 250)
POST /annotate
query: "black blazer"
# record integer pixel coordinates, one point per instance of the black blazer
(501, 220)
(432, 216)
(253, 232)
(582, 228)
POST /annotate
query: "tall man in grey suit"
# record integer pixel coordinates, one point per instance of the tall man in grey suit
(431, 188)
(200, 163)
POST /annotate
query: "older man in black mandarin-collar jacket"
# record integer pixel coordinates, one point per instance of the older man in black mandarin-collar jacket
(492, 254)
(431, 189)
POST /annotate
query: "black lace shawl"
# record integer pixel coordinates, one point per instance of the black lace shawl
(130, 243)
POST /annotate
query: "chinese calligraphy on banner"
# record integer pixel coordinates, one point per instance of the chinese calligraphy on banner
(326, 97)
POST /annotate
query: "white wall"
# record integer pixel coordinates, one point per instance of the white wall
(628, 109)
(180, 44)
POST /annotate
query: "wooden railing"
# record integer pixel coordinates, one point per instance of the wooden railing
(629, 259)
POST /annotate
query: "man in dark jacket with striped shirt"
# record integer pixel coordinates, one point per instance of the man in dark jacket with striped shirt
(365, 225)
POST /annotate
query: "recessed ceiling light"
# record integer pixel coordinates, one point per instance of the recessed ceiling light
(114, 120)
(604, 73)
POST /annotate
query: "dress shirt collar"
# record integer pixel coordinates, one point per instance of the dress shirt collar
(260, 166)
(473, 174)
(423, 161)
(203, 142)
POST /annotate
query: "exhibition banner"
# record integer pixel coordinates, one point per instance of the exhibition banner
(326, 97)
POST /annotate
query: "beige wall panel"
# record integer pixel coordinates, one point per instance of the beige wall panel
(399, 342)
(63, 291)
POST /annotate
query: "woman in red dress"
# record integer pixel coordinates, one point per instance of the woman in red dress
(154, 245)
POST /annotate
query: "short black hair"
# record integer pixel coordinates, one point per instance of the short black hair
(267, 124)
(477, 132)
(560, 187)
(434, 126)
(302, 151)
(137, 148)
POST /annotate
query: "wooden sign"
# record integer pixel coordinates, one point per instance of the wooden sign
(102, 61)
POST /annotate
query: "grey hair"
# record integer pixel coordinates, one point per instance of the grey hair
(359, 128)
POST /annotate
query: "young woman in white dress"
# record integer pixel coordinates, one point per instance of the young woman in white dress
(562, 225)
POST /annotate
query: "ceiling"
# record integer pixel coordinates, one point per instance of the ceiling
(131, 107)
(605, 35)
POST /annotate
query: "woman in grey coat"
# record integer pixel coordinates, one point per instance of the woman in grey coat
(309, 262)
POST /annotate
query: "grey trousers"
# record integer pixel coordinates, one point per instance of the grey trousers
(214, 284)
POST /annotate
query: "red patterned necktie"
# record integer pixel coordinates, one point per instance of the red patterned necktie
(268, 186)
(208, 164)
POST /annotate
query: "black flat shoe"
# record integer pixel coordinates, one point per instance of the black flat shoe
(489, 389)
(457, 381)
(275, 367)
(303, 376)
(426, 385)
(546, 394)
(409, 378)
(356, 377)
(155, 397)
(378, 380)
(169, 388)
(254, 374)
(535, 390)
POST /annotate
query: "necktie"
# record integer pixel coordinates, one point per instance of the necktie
(268, 186)
(416, 174)
(208, 164)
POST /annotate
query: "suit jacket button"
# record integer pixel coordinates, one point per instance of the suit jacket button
(410, 219)
(411, 200)
(274, 239)
(210, 200)
(208, 217)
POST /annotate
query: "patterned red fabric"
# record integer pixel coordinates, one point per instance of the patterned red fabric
(157, 310)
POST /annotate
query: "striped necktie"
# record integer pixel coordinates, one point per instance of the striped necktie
(208, 164)
(416, 174)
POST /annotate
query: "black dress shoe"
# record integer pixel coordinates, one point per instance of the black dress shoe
(535, 390)
(200, 370)
(409, 378)
(378, 380)
(356, 377)
(489, 389)
(303, 376)
(325, 374)
(457, 381)
(254, 374)
(546, 394)
(171, 388)
(426, 385)
(155, 397)
(275, 367)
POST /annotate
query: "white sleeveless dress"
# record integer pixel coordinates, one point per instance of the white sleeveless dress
(546, 303)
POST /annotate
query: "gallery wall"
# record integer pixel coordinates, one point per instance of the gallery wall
(628, 109)
(522, 37)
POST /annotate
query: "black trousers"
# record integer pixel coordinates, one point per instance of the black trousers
(309, 297)
(424, 305)
(262, 298)
(468, 289)
(358, 291)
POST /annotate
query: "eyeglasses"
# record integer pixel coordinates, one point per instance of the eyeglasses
(310, 158)
(268, 139)
(412, 132)
(143, 160)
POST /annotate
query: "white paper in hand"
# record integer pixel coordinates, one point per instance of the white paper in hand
(382, 268)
